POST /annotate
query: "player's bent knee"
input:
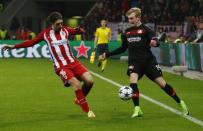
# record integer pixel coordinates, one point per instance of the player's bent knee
(89, 82)
(130, 71)
(74, 83)
(162, 85)
(87, 78)
(133, 77)
(161, 82)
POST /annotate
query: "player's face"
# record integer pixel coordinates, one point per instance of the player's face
(57, 25)
(133, 19)
(103, 23)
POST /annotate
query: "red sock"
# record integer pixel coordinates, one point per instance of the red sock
(83, 103)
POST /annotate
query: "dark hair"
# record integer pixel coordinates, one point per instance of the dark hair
(54, 16)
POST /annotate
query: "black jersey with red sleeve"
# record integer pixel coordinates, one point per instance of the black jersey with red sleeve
(137, 41)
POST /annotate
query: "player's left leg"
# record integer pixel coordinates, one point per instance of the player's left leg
(167, 88)
(154, 72)
(102, 48)
(88, 82)
(103, 65)
(104, 62)
(171, 92)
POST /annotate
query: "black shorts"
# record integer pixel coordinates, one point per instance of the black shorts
(102, 48)
(150, 68)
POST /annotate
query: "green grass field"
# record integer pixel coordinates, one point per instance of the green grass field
(32, 98)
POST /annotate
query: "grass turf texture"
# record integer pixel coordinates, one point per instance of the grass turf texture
(32, 98)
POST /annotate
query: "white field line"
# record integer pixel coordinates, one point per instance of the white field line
(190, 118)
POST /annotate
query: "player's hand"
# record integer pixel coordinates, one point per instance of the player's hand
(95, 47)
(80, 30)
(8, 47)
(153, 43)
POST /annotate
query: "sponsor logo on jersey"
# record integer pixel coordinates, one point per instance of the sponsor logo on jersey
(59, 42)
(158, 67)
(127, 33)
(140, 31)
(134, 39)
(63, 74)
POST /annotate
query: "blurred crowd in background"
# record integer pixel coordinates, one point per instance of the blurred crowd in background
(185, 13)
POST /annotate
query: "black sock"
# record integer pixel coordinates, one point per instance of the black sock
(86, 88)
(99, 64)
(135, 97)
(171, 92)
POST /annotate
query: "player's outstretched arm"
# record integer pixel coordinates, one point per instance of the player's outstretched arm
(21, 45)
(95, 42)
(24, 44)
(74, 31)
(8, 47)
(119, 50)
(154, 42)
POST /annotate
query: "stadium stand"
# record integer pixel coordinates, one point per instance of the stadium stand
(173, 12)
(185, 13)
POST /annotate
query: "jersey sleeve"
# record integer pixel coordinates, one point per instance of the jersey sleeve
(152, 35)
(121, 49)
(74, 31)
(97, 32)
(32, 42)
(110, 33)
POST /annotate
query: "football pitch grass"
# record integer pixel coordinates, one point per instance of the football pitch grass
(32, 98)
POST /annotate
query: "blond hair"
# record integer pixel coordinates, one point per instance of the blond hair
(135, 10)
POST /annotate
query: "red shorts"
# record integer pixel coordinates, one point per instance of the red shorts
(75, 69)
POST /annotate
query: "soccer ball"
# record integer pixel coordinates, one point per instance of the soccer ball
(125, 93)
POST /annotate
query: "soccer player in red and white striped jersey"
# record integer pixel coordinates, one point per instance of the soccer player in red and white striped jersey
(66, 65)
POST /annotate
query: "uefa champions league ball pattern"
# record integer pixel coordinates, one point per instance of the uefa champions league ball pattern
(125, 93)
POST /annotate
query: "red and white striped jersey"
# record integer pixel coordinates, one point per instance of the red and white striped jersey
(58, 45)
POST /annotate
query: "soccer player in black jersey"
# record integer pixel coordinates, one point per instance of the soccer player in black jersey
(138, 39)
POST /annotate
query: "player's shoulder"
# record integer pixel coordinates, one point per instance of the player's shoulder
(109, 29)
(146, 28)
(98, 28)
(129, 29)
(65, 27)
(46, 30)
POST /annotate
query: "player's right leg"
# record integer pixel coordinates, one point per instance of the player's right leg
(82, 74)
(102, 48)
(70, 80)
(87, 84)
(99, 51)
(80, 96)
(133, 84)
